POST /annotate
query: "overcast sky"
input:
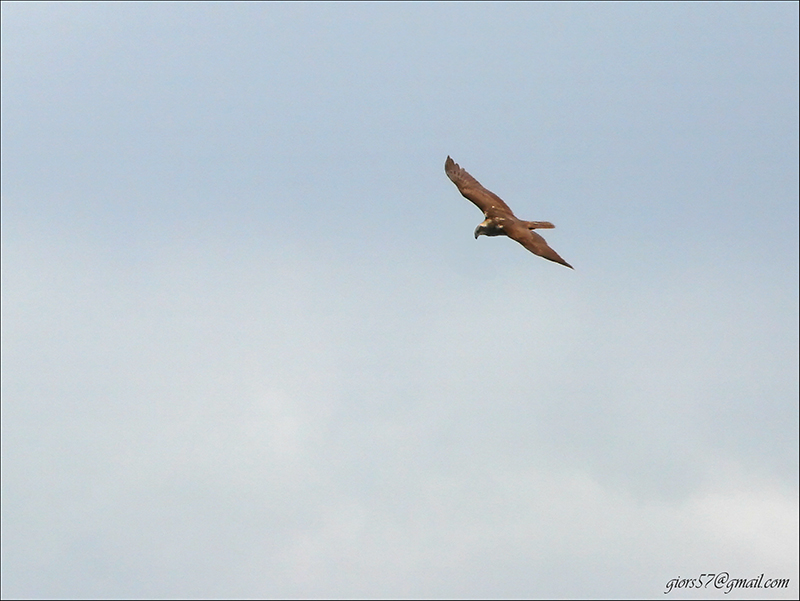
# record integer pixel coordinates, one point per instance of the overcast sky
(250, 347)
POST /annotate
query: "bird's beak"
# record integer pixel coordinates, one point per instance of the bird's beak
(477, 232)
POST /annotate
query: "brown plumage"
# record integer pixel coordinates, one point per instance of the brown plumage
(500, 219)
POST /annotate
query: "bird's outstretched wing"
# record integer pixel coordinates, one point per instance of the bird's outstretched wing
(488, 202)
(533, 242)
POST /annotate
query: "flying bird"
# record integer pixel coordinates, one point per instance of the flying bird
(500, 220)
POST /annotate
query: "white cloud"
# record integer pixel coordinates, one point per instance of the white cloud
(295, 428)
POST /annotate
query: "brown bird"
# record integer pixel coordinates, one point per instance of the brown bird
(500, 220)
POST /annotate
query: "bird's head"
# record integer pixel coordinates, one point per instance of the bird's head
(489, 227)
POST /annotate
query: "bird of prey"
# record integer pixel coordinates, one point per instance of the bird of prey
(500, 220)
